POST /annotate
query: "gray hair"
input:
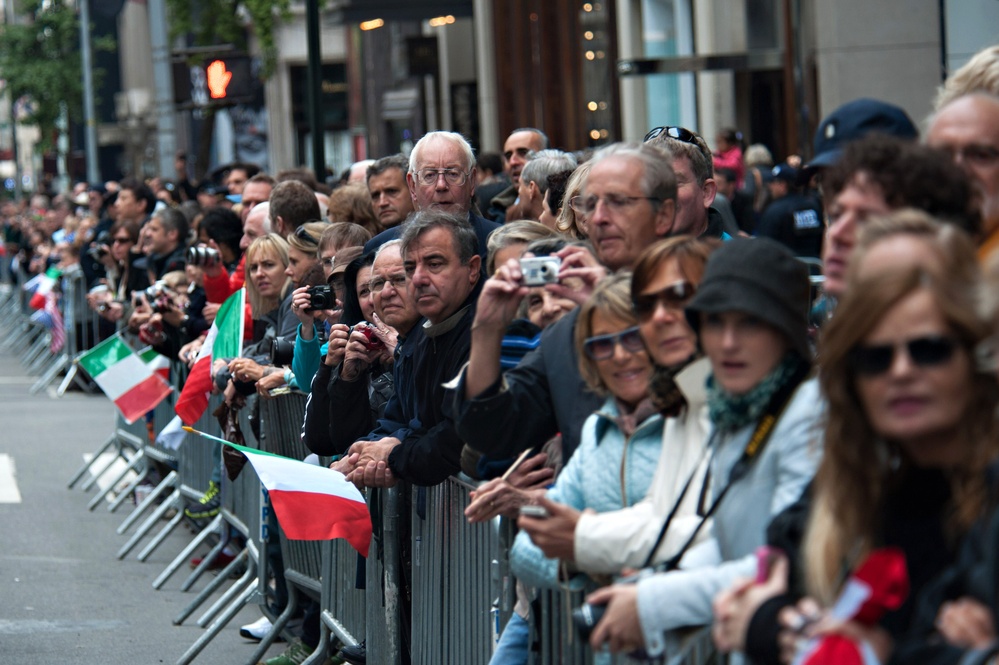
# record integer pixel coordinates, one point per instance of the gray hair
(397, 242)
(698, 154)
(463, 235)
(658, 178)
(453, 137)
(544, 164)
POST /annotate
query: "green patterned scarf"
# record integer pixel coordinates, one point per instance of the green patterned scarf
(730, 412)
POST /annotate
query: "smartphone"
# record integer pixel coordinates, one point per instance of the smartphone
(537, 512)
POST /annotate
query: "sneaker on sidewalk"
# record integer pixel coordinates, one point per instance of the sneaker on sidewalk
(207, 506)
(257, 630)
(296, 654)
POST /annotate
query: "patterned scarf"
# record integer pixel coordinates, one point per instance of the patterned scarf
(730, 412)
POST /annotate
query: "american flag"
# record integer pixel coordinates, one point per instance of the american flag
(58, 328)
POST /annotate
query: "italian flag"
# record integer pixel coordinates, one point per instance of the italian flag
(311, 502)
(158, 364)
(224, 340)
(124, 378)
(40, 286)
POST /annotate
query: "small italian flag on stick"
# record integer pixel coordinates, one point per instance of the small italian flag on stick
(124, 378)
(311, 502)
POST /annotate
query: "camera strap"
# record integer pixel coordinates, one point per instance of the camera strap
(757, 442)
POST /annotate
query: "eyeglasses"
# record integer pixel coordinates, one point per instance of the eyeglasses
(327, 262)
(977, 154)
(452, 176)
(602, 347)
(121, 241)
(675, 296)
(586, 205)
(877, 359)
(678, 133)
(398, 283)
(304, 236)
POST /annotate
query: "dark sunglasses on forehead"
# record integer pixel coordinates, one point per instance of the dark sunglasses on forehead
(674, 296)
(678, 133)
(876, 359)
(601, 347)
(304, 236)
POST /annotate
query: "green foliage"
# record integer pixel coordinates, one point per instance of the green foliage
(214, 22)
(40, 59)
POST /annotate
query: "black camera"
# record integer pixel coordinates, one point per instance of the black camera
(282, 351)
(586, 617)
(100, 247)
(202, 257)
(321, 297)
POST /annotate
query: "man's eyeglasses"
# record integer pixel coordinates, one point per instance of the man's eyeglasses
(398, 283)
(601, 347)
(976, 154)
(452, 176)
(876, 359)
(304, 236)
(675, 297)
(327, 262)
(585, 205)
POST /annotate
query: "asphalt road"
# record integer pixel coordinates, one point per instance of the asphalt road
(64, 596)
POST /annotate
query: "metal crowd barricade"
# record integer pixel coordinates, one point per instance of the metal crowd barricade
(81, 326)
(552, 628)
(241, 511)
(453, 585)
(280, 433)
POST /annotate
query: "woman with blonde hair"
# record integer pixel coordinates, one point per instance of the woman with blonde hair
(569, 221)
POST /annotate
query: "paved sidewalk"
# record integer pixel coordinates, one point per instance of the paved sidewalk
(66, 597)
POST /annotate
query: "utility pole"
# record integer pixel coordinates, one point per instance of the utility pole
(90, 122)
(166, 131)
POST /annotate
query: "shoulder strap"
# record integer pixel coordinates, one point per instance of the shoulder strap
(757, 442)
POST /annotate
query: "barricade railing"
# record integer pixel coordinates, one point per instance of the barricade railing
(241, 511)
(454, 588)
(80, 324)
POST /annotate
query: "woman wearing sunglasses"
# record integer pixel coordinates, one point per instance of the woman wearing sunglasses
(911, 429)
(620, 443)
(750, 313)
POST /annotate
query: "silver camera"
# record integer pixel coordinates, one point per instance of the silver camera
(540, 270)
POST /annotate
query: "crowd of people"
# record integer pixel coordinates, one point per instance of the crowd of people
(752, 383)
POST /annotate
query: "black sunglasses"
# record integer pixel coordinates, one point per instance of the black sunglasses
(678, 133)
(877, 359)
(304, 236)
(674, 296)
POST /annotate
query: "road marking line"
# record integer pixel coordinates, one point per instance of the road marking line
(8, 480)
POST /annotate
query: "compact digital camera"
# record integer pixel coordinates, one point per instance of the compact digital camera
(540, 270)
(321, 297)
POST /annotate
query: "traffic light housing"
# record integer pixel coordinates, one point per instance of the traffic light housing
(214, 81)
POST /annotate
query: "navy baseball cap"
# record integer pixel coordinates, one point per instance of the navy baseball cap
(784, 172)
(855, 120)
